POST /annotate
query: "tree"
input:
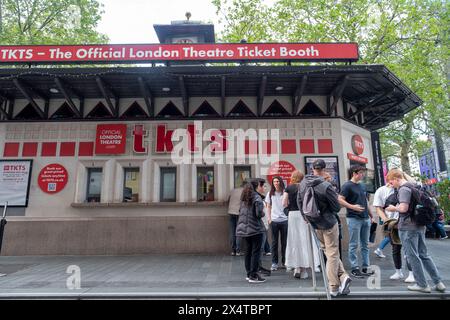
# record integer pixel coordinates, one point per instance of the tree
(50, 22)
(410, 37)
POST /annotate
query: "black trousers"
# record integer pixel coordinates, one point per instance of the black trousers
(397, 256)
(279, 230)
(253, 254)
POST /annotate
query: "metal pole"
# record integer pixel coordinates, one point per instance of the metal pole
(311, 257)
(322, 263)
(2, 224)
(4, 210)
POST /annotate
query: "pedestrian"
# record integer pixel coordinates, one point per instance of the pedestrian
(234, 203)
(298, 247)
(412, 235)
(384, 197)
(359, 218)
(326, 226)
(251, 227)
(328, 178)
(278, 221)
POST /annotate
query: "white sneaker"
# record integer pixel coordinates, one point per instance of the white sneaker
(344, 288)
(379, 253)
(297, 273)
(304, 275)
(416, 287)
(274, 267)
(439, 287)
(334, 294)
(397, 276)
(410, 278)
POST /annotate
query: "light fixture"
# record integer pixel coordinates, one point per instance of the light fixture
(279, 88)
(54, 90)
(166, 89)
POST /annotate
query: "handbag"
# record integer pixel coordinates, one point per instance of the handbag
(286, 211)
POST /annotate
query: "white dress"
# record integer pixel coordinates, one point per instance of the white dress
(298, 249)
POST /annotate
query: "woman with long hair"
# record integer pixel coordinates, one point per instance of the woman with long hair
(251, 227)
(298, 248)
(278, 220)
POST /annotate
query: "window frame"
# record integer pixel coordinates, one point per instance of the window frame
(89, 172)
(164, 170)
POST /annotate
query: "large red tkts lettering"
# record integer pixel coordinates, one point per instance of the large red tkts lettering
(163, 139)
(138, 139)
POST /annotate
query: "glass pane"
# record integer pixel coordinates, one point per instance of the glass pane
(240, 174)
(205, 184)
(131, 185)
(94, 184)
(168, 186)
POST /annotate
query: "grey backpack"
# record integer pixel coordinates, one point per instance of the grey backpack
(309, 204)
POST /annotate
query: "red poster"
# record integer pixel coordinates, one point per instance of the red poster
(110, 139)
(53, 178)
(283, 169)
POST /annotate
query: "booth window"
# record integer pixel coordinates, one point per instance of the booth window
(240, 174)
(131, 185)
(94, 184)
(205, 184)
(168, 185)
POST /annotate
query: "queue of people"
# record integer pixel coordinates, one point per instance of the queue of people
(286, 212)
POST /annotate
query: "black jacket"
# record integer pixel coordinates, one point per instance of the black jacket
(327, 201)
(248, 223)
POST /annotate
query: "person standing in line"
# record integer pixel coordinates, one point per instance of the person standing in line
(383, 198)
(412, 235)
(251, 227)
(298, 247)
(326, 226)
(329, 179)
(359, 218)
(234, 203)
(278, 221)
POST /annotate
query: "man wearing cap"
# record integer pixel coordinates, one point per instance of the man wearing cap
(326, 226)
(359, 218)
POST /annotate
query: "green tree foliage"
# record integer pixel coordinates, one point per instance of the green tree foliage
(50, 22)
(410, 37)
(443, 188)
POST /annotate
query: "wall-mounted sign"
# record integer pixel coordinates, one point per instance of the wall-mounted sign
(355, 158)
(179, 52)
(110, 139)
(283, 169)
(357, 144)
(15, 182)
(332, 167)
(53, 178)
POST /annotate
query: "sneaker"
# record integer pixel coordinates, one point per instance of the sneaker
(367, 272)
(283, 266)
(344, 289)
(410, 278)
(439, 287)
(297, 273)
(397, 276)
(238, 253)
(443, 238)
(416, 287)
(233, 253)
(274, 267)
(334, 294)
(268, 253)
(357, 274)
(304, 275)
(256, 279)
(264, 271)
(379, 253)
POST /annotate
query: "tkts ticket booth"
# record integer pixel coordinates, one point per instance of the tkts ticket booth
(130, 160)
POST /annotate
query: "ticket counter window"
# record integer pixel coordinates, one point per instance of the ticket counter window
(168, 185)
(94, 184)
(205, 184)
(131, 185)
(240, 174)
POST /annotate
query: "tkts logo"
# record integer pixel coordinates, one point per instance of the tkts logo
(14, 168)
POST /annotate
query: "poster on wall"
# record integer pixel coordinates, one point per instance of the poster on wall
(15, 178)
(332, 168)
(282, 169)
(53, 178)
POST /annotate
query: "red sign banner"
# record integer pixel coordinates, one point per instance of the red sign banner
(357, 144)
(110, 139)
(179, 52)
(283, 169)
(356, 158)
(53, 178)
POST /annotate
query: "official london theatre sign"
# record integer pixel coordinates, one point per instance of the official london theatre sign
(179, 52)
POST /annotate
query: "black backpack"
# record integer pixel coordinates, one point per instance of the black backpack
(422, 207)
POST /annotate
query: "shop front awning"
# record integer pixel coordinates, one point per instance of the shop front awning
(371, 95)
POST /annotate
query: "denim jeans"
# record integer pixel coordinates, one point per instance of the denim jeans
(416, 252)
(384, 242)
(358, 230)
(235, 242)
